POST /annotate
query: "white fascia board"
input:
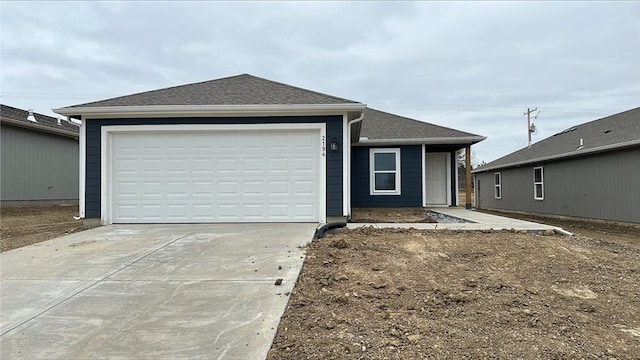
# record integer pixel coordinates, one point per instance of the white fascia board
(210, 110)
(576, 153)
(423, 141)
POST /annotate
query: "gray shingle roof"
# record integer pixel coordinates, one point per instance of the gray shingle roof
(380, 125)
(45, 123)
(609, 133)
(242, 89)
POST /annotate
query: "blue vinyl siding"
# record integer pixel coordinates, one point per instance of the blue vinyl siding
(410, 179)
(334, 159)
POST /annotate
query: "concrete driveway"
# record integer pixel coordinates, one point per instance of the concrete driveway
(150, 291)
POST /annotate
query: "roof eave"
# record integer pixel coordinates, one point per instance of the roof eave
(39, 127)
(571, 154)
(467, 140)
(209, 110)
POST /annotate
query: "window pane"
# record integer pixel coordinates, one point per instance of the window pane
(497, 178)
(538, 190)
(385, 181)
(385, 161)
(498, 195)
(537, 175)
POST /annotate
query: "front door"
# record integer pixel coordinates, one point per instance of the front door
(436, 181)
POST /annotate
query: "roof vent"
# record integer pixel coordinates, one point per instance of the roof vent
(607, 131)
(31, 117)
(59, 122)
(581, 144)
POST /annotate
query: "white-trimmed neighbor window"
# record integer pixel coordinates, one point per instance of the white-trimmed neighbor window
(538, 183)
(497, 185)
(384, 171)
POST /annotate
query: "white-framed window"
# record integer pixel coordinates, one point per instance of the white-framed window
(497, 185)
(384, 171)
(538, 183)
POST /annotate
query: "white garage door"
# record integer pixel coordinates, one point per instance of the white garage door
(215, 176)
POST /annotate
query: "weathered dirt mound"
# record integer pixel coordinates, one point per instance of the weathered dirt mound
(405, 294)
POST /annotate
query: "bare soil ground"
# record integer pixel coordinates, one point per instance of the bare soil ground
(22, 226)
(389, 215)
(409, 294)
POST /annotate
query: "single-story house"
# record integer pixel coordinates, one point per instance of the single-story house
(589, 171)
(39, 158)
(248, 149)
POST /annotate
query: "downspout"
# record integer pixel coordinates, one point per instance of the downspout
(320, 231)
(358, 119)
(82, 158)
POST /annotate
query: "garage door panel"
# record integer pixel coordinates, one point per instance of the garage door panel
(303, 210)
(302, 188)
(278, 188)
(202, 188)
(178, 189)
(127, 189)
(149, 165)
(304, 165)
(202, 165)
(215, 176)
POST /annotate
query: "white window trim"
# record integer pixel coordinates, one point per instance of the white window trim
(541, 182)
(372, 172)
(497, 187)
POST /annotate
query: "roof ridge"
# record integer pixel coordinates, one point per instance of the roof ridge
(297, 87)
(216, 81)
(602, 119)
(420, 122)
(582, 137)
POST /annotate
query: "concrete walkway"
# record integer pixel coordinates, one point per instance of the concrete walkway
(150, 292)
(475, 221)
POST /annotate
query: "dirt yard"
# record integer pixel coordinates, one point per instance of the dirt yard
(21, 226)
(409, 294)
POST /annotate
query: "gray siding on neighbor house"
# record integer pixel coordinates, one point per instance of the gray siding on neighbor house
(37, 166)
(334, 159)
(600, 186)
(410, 179)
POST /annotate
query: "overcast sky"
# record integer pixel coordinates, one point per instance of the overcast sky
(472, 66)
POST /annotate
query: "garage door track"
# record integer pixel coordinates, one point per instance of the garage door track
(150, 291)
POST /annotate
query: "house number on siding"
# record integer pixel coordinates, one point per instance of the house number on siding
(324, 145)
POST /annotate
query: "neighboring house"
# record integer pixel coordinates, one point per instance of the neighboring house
(39, 158)
(591, 170)
(247, 149)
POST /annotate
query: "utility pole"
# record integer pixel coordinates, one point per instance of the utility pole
(528, 113)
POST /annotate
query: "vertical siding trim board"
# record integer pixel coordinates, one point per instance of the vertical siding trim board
(345, 144)
(456, 188)
(82, 144)
(333, 178)
(423, 151)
